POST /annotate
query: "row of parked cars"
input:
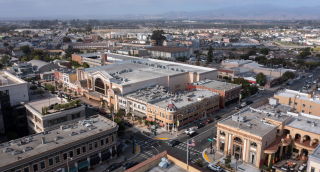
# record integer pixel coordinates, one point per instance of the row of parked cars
(125, 166)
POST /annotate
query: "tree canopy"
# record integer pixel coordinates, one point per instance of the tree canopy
(66, 39)
(157, 35)
(88, 28)
(85, 65)
(25, 49)
(264, 51)
(79, 40)
(5, 59)
(261, 79)
(210, 55)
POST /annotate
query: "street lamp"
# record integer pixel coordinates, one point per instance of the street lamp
(155, 148)
(68, 162)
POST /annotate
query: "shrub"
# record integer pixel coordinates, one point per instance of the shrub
(33, 87)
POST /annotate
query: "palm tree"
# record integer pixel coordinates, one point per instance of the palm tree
(6, 45)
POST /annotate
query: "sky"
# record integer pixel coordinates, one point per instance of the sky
(52, 8)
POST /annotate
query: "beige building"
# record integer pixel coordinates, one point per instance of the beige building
(256, 135)
(314, 160)
(39, 121)
(307, 103)
(77, 147)
(107, 83)
(157, 104)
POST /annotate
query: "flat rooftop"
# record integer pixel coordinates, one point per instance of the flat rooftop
(239, 62)
(316, 152)
(7, 79)
(217, 85)
(145, 69)
(32, 145)
(305, 123)
(299, 95)
(112, 57)
(159, 96)
(256, 119)
(171, 168)
(39, 103)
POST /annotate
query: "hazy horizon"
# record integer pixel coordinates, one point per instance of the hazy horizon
(90, 8)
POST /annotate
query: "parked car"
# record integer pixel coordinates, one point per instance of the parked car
(90, 106)
(310, 76)
(103, 112)
(208, 121)
(192, 133)
(249, 102)
(238, 107)
(243, 104)
(189, 130)
(261, 89)
(200, 125)
(215, 167)
(173, 143)
(303, 76)
(315, 81)
(113, 167)
(217, 117)
(128, 165)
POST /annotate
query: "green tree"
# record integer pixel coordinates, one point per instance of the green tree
(225, 78)
(227, 160)
(304, 54)
(79, 40)
(157, 35)
(65, 89)
(264, 51)
(60, 86)
(24, 59)
(146, 122)
(33, 87)
(88, 28)
(140, 121)
(75, 93)
(25, 49)
(66, 39)
(199, 163)
(40, 91)
(103, 105)
(210, 55)
(5, 44)
(10, 49)
(121, 128)
(288, 75)
(128, 116)
(261, 78)
(57, 107)
(85, 65)
(5, 59)
(111, 108)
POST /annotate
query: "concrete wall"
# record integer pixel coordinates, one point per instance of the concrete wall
(77, 58)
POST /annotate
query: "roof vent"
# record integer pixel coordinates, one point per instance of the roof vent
(73, 133)
(16, 152)
(6, 150)
(313, 124)
(27, 149)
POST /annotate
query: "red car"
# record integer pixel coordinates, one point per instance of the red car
(208, 121)
(103, 113)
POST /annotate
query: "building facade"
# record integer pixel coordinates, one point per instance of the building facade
(70, 148)
(169, 52)
(93, 59)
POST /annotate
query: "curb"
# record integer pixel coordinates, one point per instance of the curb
(204, 156)
(136, 154)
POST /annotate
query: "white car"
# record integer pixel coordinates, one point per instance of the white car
(214, 167)
(310, 76)
(261, 89)
(189, 130)
(315, 81)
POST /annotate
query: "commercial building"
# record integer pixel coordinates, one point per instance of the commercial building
(256, 135)
(39, 66)
(169, 52)
(71, 148)
(158, 104)
(40, 120)
(166, 160)
(13, 91)
(229, 93)
(23, 69)
(228, 73)
(314, 160)
(93, 59)
(65, 77)
(307, 103)
(106, 83)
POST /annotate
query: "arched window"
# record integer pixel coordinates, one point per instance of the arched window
(99, 86)
(213, 101)
(297, 136)
(189, 110)
(237, 139)
(185, 112)
(193, 109)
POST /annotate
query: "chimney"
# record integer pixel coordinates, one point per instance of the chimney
(43, 141)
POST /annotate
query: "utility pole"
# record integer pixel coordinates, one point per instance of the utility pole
(155, 124)
(212, 140)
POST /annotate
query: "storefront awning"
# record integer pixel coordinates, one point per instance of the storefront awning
(83, 165)
(71, 169)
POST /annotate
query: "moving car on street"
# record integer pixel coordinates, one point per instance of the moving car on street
(173, 143)
(208, 121)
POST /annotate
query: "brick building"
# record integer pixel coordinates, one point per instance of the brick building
(93, 59)
(229, 93)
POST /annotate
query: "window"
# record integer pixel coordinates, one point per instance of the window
(295, 104)
(26, 169)
(71, 154)
(253, 144)
(35, 167)
(90, 146)
(291, 103)
(57, 159)
(310, 107)
(102, 142)
(95, 144)
(222, 133)
(84, 149)
(303, 105)
(50, 161)
(65, 156)
(278, 131)
(302, 111)
(112, 138)
(107, 140)
(42, 165)
(78, 151)
(313, 169)
(310, 113)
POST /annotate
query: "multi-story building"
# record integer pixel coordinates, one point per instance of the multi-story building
(307, 103)
(265, 133)
(93, 59)
(76, 147)
(13, 91)
(23, 69)
(229, 93)
(65, 77)
(228, 73)
(169, 52)
(314, 160)
(109, 82)
(158, 104)
(41, 121)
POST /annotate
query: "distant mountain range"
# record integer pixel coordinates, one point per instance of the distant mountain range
(252, 11)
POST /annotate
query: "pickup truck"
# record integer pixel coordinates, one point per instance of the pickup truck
(189, 130)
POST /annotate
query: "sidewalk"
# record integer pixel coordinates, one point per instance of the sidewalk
(126, 155)
(219, 157)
